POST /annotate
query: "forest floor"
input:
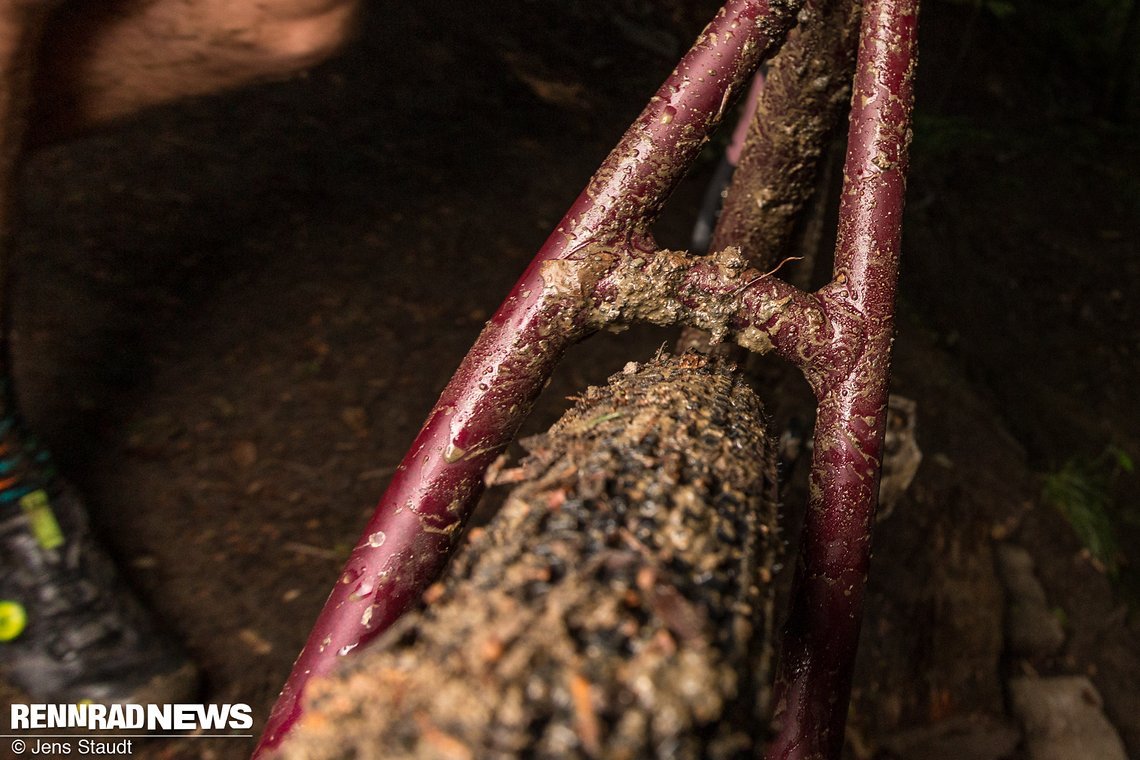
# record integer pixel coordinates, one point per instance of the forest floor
(233, 314)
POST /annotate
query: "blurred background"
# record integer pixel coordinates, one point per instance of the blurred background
(233, 313)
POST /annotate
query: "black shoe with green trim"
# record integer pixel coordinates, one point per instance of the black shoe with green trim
(70, 630)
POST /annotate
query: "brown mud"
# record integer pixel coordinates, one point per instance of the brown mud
(613, 608)
(233, 315)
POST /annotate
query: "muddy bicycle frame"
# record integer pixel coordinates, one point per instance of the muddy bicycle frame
(601, 268)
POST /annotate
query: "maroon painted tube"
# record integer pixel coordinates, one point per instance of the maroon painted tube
(747, 113)
(777, 146)
(814, 678)
(415, 526)
(804, 97)
(718, 293)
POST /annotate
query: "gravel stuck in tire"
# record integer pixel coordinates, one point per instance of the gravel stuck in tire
(614, 608)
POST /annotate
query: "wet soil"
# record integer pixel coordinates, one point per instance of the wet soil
(233, 314)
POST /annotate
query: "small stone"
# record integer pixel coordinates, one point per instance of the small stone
(1015, 568)
(255, 641)
(901, 454)
(1062, 718)
(1031, 628)
(244, 454)
(356, 418)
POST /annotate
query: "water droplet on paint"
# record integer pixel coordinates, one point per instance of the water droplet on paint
(453, 453)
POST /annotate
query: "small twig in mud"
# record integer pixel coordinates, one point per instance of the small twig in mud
(498, 474)
(603, 418)
(505, 477)
(586, 719)
(769, 273)
(444, 744)
(777, 268)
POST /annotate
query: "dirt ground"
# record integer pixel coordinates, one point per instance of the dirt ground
(233, 314)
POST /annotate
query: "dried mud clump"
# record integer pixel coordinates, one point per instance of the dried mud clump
(613, 608)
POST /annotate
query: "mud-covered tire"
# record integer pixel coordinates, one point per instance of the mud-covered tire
(614, 608)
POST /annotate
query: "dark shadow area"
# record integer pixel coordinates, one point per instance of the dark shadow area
(232, 315)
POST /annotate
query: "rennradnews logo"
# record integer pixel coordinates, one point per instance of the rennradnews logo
(97, 717)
